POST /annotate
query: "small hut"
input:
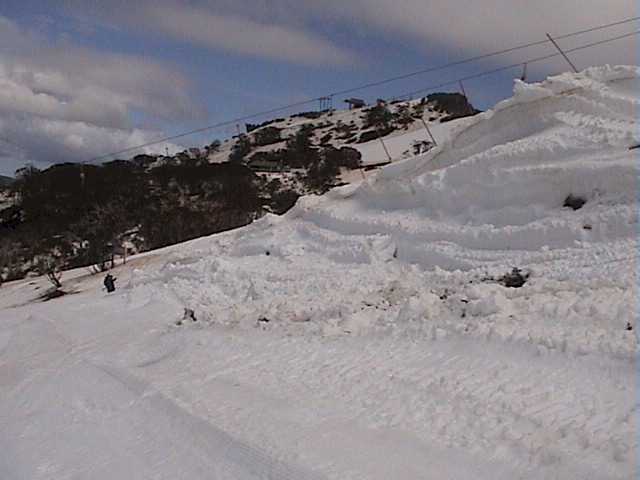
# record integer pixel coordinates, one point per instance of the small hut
(355, 103)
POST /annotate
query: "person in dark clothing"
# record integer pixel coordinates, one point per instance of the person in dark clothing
(110, 283)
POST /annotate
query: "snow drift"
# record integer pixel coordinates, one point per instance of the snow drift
(366, 334)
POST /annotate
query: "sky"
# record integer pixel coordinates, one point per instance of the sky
(80, 79)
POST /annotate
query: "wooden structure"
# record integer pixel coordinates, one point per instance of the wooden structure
(355, 103)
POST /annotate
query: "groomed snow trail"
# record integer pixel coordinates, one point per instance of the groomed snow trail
(363, 335)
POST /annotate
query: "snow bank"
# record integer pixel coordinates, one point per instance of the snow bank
(366, 334)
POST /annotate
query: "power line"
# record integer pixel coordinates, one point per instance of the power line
(555, 44)
(519, 64)
(394, 79)
(507, 67)
(481, 57)
(204, 129)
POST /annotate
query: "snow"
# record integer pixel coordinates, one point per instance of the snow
(363, 335)
(398, 145)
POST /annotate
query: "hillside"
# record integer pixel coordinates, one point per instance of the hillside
(372, 333)
(397, 123)
(5, 181)
(72, 215)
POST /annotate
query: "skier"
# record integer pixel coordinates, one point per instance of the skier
(110, 283)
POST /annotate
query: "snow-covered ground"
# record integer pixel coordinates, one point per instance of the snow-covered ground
(397, 145)
(362, 335)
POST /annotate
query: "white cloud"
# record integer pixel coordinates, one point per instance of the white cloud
(296, 30)
(257, 29)
(60, 102)
(470, 26)
(453, 27)
(245, 36)
(95, 105)
(42, 141)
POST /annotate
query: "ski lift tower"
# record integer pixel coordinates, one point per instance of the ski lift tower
(326, 103)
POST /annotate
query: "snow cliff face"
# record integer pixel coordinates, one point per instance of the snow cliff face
(367, 334)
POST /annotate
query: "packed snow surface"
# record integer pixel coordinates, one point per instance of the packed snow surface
(365, 334)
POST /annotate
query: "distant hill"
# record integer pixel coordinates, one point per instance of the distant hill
(262, 147)
(6, 181)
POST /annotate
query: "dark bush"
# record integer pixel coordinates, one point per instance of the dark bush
(514, 279)
(240, 149)
(300, 151)
(268, 161)
(283, 200)
(266, 136)
(455, 105)
(325, 139)
(312, 115)
(378, 116)
(573, 201)
(346, 157)
(370, 135)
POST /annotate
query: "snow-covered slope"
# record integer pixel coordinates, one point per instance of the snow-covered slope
(364, 335)
(343, 128)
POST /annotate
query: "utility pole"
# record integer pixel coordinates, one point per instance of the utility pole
(562, 53)
(524, 72)
(463, 90)
(383, 145)
(326, 103)
(426, 127)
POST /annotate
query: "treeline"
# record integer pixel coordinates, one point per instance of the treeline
(72, 215)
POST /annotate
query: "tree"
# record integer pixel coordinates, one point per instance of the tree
(50, 266)
(266, 136)
(321, 176)
(346, 157)
(378, 116)
(300, 150)
(240, 149)
(183, 157)
(213, 147)
(99, 232)
(54, 277)
(143, 160)
(78, 213)
(403, 116)
(30, 189)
